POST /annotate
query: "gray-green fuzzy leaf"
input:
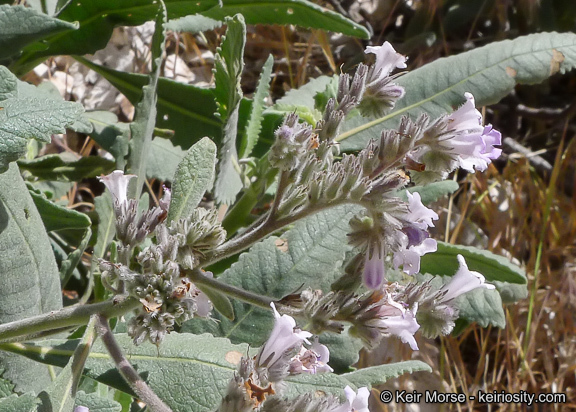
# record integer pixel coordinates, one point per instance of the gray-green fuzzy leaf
(112, 135)
(30, 118)
(24, 403)
(488, 72)
(66, 167)
(193, 177)
(97, 403)
(193, 24)
(256, 115)
(163, 160)
(228, 66)
(28, 273)
(59, 397)
(20, 25)
(377, 375)
(482, 306)
(56, 217)
(191, 372)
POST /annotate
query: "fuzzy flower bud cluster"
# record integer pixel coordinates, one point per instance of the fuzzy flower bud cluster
(156, 276)
(132, 229)
(258, 383)
(381, 93)
(393, 229)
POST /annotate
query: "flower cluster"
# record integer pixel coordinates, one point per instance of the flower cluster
(157, 275)
(258, 383)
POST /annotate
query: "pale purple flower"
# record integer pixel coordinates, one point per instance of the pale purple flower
(355, 402)
(472, 143)
(117, 184)
(467, 117)
(419, 215)
(403, 325)
(81, 409)
(374, 271)
(284, 340)
(386, 59)
(416, 242)
(479, 154)
(492, 137)
(313, 360)
(463, 281)
(409, 258)
(164, 203)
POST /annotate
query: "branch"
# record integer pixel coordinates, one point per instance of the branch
(198, 278)
(137, 384)
(263, 229)
(65, 318)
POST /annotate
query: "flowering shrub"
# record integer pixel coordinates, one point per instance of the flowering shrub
(314, 240)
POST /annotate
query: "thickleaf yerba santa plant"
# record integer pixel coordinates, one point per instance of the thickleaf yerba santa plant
(388, 233)
(280, 244)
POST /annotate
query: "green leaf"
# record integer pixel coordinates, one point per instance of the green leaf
(66, 167)
(201, 363)
(163, 160)
(97, 19)
(142, 128)
(111, 135)
(59, 397)
(305, 95)
(434, 191)
(316, 250)
(377, 375)
(30, 118)
(8, 84)
(254, 128)
(228, 66)
(20, 26)
(28, 274)
(193, 177)
(6, 387)
(56, 217)
(179, 105)
(493, 267)
(193, 24)
(68, 265)
(97, 403)
(105, 231)
(299, 12)
(24, 403)
(511, 292)
(482, 306)
(488, 72)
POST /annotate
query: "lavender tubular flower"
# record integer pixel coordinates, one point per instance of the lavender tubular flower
(416, 242)
(311, 361)
(386, 60)
(381, 94)
(463, 281)
(284, 342)
(117, 184)
(374, 270)
(356, 402)
(458, 140)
